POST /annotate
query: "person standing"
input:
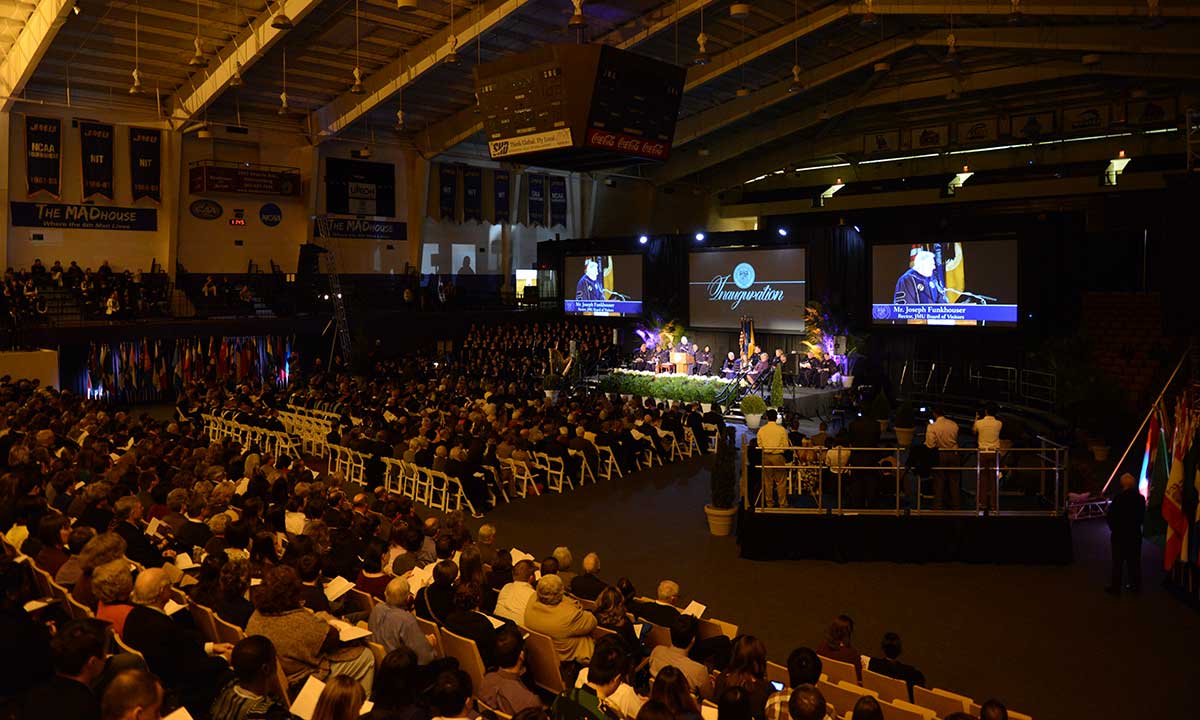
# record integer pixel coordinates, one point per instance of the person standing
(942, 436)
(772, 440)
(1125, 516)
(987, 435)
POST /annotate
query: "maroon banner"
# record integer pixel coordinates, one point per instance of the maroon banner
(242, 180)
(627, 144)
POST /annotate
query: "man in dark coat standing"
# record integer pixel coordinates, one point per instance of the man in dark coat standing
(1125, 515)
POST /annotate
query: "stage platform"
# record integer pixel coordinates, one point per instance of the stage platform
(809, 402)
(1017, 539)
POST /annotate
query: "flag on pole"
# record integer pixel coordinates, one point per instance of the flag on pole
(1150, 457)
(1172, 508)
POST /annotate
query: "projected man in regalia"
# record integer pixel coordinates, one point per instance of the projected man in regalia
(919, 284)
(590, 286)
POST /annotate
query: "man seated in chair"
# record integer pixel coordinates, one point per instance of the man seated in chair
(393, 624)
(563, 620)
(760, 368)
(502, 688)
(254, 692)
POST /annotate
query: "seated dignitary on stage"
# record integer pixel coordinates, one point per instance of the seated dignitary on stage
(731, 367)
(704, 360)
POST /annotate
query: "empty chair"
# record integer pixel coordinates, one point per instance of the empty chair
(904, 705)
(912, 712)
(838, 670)
(942, 702)
(889, 688)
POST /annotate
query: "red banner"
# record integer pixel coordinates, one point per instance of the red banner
(628, 144)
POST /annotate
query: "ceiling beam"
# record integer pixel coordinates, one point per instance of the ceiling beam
(752, 159)
(1170, 40)
(382, 85)
(1090, 8)
(31, 45)
(248, 48)
(646, 26)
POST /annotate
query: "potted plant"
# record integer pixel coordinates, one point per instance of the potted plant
(777, 387)
(880, 409)
(706, 394)
(551, 383)
(723, 478)
(753, 408)
(905, 423)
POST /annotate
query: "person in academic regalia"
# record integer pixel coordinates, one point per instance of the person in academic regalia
(589, 286)
(704, 360)
(732, 366)
(918, 286)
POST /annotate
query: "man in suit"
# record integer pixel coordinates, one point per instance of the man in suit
(78, 652)
(194, 532)
(190, 667)
(1125, 516)
(588, 585)
(563, 620)
(128, 513)
(864, 433)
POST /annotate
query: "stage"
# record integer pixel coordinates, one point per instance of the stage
(809, 402)
(1016, 539)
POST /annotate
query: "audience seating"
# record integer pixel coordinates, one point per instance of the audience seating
(431, 629)
(484, 709)
(467, 653)
(888, 688)
(893, 711)
(940, 701)
(842, 695)
(839, 671)
(543, 662)
(915, 710)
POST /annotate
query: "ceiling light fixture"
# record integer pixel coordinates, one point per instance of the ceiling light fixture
(406, 4)
(868, 19)
(235, 80)
(739, 10)
(796, 85)
(951, 47)
(452, 56)
(1154, 18)
(400, 97)
(198, 60)
(702, 56)
(281, 21)
(578, 21)
(1015, 17)
(357, 87)
(136, 87)
(283, 98)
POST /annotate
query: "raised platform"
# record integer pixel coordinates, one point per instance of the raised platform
(809, 402)
(1024, 539)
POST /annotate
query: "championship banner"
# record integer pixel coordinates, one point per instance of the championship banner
(558, 201)
(96, 158)
(82, 217)
(472, 194)
(43, 155)
(447, 189)
(145, 161)
(500, 185)
(537, 200)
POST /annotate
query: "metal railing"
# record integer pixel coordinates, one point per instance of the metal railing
(1028, 481)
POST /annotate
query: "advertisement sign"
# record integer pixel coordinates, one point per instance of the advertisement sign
(242, 180)
(82, 217)
(628, 144)
(549, 140)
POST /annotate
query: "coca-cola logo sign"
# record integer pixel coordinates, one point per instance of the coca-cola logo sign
(627, 144)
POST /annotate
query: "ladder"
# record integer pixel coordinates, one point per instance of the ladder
(341, 325)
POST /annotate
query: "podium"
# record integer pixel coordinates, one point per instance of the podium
(683, 362)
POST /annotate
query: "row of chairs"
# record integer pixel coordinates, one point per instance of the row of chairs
(272, 442)
(310, 430)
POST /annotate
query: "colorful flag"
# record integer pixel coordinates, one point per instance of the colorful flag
(1172, 508)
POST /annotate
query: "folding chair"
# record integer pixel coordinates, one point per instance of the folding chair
(543, 662)
(673, 451)
(455, 498)
(711, 429)
(423, 487)
(555, 469)
(523, 479)
(889, 688)
(585, 469)
(227, 632)
(608, 463)
(439, 490)
(690, 445)
(467, 653)
(203, 617)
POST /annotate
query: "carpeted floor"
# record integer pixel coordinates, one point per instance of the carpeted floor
(1045, 640)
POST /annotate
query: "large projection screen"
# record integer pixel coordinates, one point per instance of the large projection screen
(603, 285)
(767, 284)
(951, 283)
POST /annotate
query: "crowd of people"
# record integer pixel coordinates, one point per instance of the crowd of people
(103, 292)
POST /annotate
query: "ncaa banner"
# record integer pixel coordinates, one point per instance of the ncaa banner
(500, 207)
(447, 189)
(96, 158)
(537, 200)
(558, 201)
(145, 163)
(43, 155)
(472, 194)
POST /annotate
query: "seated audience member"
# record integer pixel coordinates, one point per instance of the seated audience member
(807, 703)
(993, 710)
(569, 626)
(563, 555)
(305, 643)
(397, 688)
(394, 626)
(661, 610)
(624, 699)
(371, 578)
(611, 615)
(435, 601)
(654, 710)
(190, 668)
(804, 668)
(605, 673)
(342, 699)
(747, 670)
(502, 689)
(683, 636)
(112, 583)
(672, 689)
(837, 643)
(588, 585)
(231, 604)
(734, 704)
(53, 531)
(308, 567)
(127, 514)
(465, 620)
(867, 708)
(515, 596)
(889, 664)
(252, 694)
(485, 541)
(78, 650)
(69, 572)
(102, 548)
(450, 696)
(132, 695)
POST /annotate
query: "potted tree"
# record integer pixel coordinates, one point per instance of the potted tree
(753, 408)
(777, 387)
(551, 383)
(905, 424)
(723, 478)
(880, 410)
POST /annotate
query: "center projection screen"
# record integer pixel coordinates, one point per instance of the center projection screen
(766, 284)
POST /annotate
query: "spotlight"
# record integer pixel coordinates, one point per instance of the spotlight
(857, 230)
(699, 237)
(959, 180)
(1116, 166)
(326, 296)
(922, 408)
(782, 232)
(643, 239)
(339, 296)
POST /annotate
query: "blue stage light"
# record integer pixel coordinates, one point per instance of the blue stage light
(643, 239)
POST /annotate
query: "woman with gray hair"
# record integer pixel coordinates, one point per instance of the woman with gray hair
(103, 548)
(112, 583)
(550, 613)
